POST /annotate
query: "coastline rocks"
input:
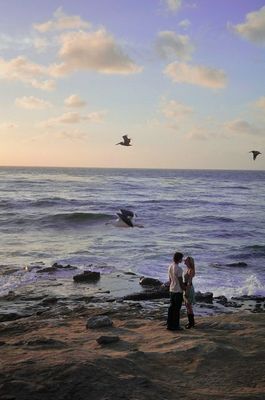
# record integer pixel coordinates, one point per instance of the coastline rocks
(107, 339)
(55, 267)
(150, 281)
(206, 297)
(101, 321)
(87, 276)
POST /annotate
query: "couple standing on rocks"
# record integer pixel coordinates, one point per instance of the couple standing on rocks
(180, 289)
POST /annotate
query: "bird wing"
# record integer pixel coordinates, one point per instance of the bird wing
(127, 213)
(125, 219)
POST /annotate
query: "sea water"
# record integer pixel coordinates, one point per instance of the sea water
(65, 215)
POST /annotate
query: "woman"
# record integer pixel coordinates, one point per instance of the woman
(189, 295)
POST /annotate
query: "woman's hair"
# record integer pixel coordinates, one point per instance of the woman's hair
(191, 263)
(177, 257)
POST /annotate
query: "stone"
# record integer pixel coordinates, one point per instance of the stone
(107, 339)
(101, 321)
(150, 281)
(87, 276)
(206, 297)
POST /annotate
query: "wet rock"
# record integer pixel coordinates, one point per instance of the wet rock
(150, 281)
(55, 267)
(237, 264)
(49, 301)
(42, 342)
(161, 293)
(107, 339)
(87, 276)
(12, 316)
(101, 321)
(249, 298)
(206, 297)
(221, 300)
(2, 343)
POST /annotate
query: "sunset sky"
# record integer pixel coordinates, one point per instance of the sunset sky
(185, 79)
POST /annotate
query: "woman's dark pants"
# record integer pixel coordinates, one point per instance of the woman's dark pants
(174, 310)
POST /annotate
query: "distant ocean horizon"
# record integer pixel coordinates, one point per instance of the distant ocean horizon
(64, 214)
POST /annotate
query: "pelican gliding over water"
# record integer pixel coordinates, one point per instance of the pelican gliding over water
(126, 141)
(255, 153)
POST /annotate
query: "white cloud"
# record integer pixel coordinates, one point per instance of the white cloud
(95, 51)
(260, 103)
(253, 28)
(196, 75)
(32, 103)
(242, 127)
(197, 134)
(40, 44)
(175, 110)
(74, 101)
(75, 118)
(21, 69)
(169, 45)
(185, 23)
(61, 21)
(173, 5)
(72, 135)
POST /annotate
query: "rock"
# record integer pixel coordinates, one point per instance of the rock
(2, 343)
(55, 267)
(108, 339)
(87, 276)
(249, 298)
(12, 316)
(161, 293)
(150, 282)
(237, 264)
(221, 300)
(101, 321)
(206, 297)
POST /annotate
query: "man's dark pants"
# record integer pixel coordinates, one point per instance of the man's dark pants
(174, 310)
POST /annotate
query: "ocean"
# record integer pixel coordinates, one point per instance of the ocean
(64, 215)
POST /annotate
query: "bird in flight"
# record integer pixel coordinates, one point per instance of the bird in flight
(255, 153)
(126, 141)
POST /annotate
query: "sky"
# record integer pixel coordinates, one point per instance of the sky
(184, 79)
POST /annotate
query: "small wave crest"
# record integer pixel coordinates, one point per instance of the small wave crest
(75, 218)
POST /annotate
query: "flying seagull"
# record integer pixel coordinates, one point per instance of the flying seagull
(255, 153)
(126, 219)
(126, 141)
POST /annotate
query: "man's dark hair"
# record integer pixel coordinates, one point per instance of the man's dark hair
(178, 257)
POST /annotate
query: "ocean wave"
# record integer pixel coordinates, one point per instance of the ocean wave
(75, 218)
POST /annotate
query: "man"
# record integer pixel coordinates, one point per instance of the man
(176, 287)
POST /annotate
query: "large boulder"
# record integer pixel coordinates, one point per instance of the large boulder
(101, 321)
(206, 297)
(150, 281)
(87, 276)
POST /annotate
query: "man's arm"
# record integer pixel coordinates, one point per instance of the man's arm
(181, 283)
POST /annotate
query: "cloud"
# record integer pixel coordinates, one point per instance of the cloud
(242, 127)
(94, 51)
(21, 69)
(197, 134)
(61, 21)
(74, 101)
(173, 5)
(72, 135)
(260, 103)
(196, 75)
(185, 23)
(40, 44)
(169, 44)
(32, 103)
(74, 118)
(254, 27)
(175, 110)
